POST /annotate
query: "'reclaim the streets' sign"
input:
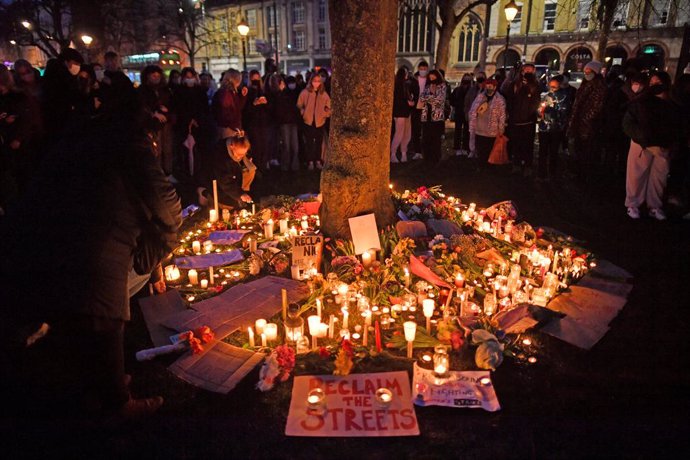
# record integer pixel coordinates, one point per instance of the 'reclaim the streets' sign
(306, 251)
(358, 405)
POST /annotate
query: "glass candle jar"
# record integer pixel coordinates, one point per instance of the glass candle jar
(441, 360)
(294, 325)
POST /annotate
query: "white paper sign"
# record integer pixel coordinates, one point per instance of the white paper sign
(470, 389)
(365, 234)
(306, 251)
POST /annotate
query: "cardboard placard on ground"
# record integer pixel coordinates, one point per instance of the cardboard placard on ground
(210, 260)
(155, 309)
(351, 408)
(458, 389)
(365, 234)
(219, 368)
(576, 332)
(239, 306)
(307, 251)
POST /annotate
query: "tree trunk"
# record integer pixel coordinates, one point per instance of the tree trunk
(357, 172)
(443, 47)
(606, 14)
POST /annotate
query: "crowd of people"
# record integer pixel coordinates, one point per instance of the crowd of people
(618, 120)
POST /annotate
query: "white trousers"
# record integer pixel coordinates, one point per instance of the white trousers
(402, 136)
(646, 176)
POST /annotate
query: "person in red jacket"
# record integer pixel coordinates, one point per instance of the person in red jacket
(228, 103)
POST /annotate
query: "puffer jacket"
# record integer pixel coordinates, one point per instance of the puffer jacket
(587, 108)
(496, 113)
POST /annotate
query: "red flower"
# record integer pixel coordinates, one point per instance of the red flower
(347, 347)
(540, 232)
(324, 353)
(205, 334)
(456, 340)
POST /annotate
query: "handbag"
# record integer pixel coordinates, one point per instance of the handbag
(499, 152)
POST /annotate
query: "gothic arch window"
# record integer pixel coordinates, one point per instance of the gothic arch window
(470, 38)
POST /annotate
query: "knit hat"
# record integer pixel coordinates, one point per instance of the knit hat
(594, 66)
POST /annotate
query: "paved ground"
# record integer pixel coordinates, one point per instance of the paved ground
(628, 397)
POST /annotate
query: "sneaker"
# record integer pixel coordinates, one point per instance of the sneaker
(319, 166)
(140, 408)
(472, 155)
(404, 158)
(418, 156)
(657, 213)
(394, 159)
(633, 213)
(458, 153)
(310, 166)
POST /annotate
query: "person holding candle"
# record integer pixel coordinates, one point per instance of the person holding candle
(111, 210)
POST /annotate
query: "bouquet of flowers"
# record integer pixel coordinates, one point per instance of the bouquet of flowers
(277, 367)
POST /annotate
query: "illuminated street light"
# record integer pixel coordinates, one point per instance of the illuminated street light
(243, 29)
(510, 10)
(13, 42)
(87, 39)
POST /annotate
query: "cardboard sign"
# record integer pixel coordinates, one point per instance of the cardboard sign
(350, 408)
(365, 234)
(469, 389)
(306, 251)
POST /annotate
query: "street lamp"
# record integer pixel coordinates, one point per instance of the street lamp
(511, 10)
(87, 39)
(243, 29)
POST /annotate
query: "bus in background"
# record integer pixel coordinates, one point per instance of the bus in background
(133, 64)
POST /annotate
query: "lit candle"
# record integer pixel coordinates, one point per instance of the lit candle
(252, 245)
(211, 276)
(366, 259)
(407, 277)
(259, 325)
(323, 331)
(215, 196)
(208, 246)
(263, 340)
(428, 306)
(293, 231)
(204, 284)
(315, 398)
(284, 302)
(331, 326)
(213, 216)
(314, 329)
(253, 208)
(283, 226)
(377, 331)
(226, 215)
(346, 316)
(318, 308)
(410, 328)
(251, 337)
(172, 273)
(304, 223)
(193, 277)
(196, 247)
(384, 397)
(271, 331)
(268, 229)
(459, 280)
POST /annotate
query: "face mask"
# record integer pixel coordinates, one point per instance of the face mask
(189, 82)
(255, 82)
(589, 76)
(529, 77)
(423, 73)
(481, 80)
(74, 69)
(155, 80)
(292, 85)
(657, 89)
(465, 82)
(99, 74)
(636, 88)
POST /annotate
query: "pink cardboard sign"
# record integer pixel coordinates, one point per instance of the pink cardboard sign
(350, 406)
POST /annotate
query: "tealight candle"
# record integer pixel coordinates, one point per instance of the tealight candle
(271, 331)
(196, 247)
(384, 397)
(259, 325)
(193, 277)
(283, 226)
(366, 259)
(172, 273)
(315, 398)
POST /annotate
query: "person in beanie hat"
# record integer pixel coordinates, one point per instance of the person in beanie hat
(585, 119)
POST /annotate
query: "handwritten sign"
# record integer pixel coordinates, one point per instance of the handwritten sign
(365, 234)
(350, 407)
(470, 389)
(306, 251)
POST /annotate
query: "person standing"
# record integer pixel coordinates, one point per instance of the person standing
(403, 103)
(191, 107)
(418, 86)
(60, 92)
(433, 100)
(461, 140)
(228, 103)
(314, 105)
(522, 98)
(553, 120)
(487, 120)
(155, 101)
(256, 119)
(585, 120)
(288, 118)
(653, 124)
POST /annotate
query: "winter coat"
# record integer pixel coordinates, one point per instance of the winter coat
(227, 108)
(257, 116)
(652, 121)
(228, 173)
(154, 99)
(402, 95)
(68, 247)
(553, 113)
(471, 95)
(496, 111)
(434, 102)
(587, 108)
(285, 107)
(457, 101)
(15, 119)
(315, 107)
(522, 101)
(190, 104)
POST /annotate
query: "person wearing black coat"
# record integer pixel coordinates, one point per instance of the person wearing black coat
(192, 117)
(403, 105)
(98, 209)
(288, 119)
(461, 141)
(257, 121)
(157, 114)
(233, 171)
(60, 93)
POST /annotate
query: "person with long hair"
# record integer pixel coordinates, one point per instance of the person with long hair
(433, 100)
(314, 105)
(403, 103)
(228, 103)
(155, 99)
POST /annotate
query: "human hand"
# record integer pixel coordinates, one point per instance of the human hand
(159, 286)
(246, 198)
(163, 109)
(10, 119)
